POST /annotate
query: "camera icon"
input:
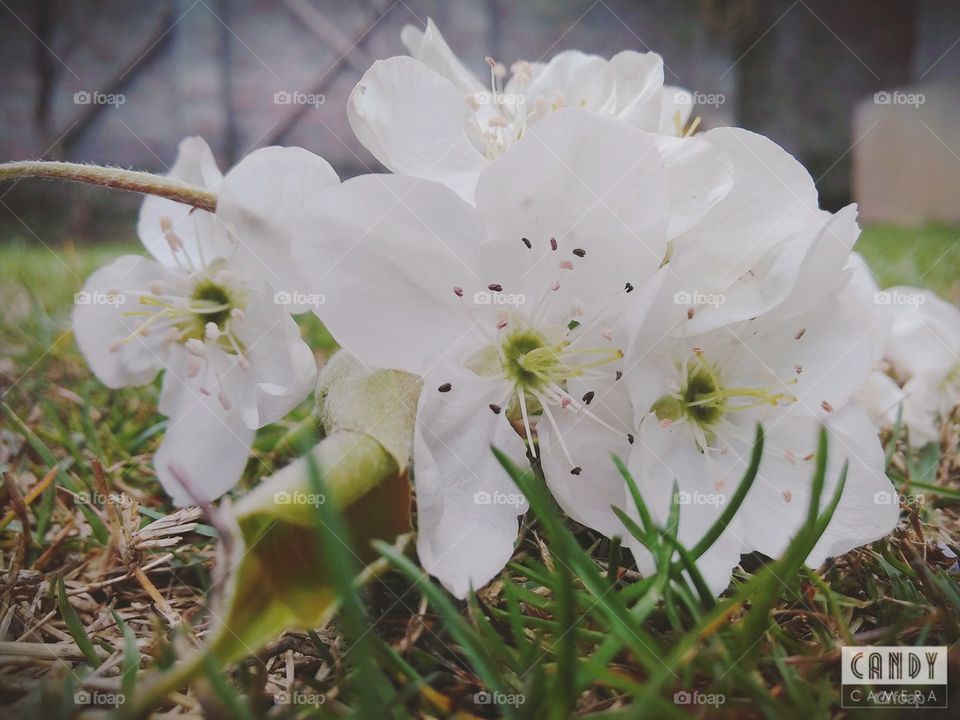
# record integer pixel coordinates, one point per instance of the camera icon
(482, 298)
(282, 98)
(884, 497)
(282, 498)
(81, 697)
(681, 697)
(682, 297)
(882, 98)
(82, 98)
(683, 497)
(82, 298)
(683, 97)
(482, 498)
(282, 297)
(482, 698)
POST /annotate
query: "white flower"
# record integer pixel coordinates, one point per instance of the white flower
(202, 310)
(428, 116)
(507, 309)
(699, 383)
(923, 350)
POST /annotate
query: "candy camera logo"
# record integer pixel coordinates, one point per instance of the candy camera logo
(283, 97)
(98, 698)
(484, 297)
(498, 698)
(885, 497)
(682, 97)
(498, 498)
(285, 497)
(899, 98)
(95, 97)
(284, 297)
(695, 297)
(700, 498)
(894, 677)
(897, 297)
(85, 297)
(299, 697)
(684, 697)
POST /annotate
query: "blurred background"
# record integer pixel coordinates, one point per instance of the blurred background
(866, 93)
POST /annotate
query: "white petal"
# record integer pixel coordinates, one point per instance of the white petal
(99, 322)
(663, 457)
(639, 86)
(773, 197)
(777, 504)
(587, 497)
(387, 252)
(282, 369)
(265, 199)
(414, 121)
(429, 47)
(206, 445)
(576, 79)
(197, 229)
(467, 505)
(925, 333)
(550, 185)
(700, 175)
(676, 106)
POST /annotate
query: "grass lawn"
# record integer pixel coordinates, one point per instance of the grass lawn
(568, 628)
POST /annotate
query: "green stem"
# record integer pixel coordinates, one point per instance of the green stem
(131, 180)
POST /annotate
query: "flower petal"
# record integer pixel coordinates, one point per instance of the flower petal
(266, 199)
(676, 107)
(588, 496)
(393, 248)
(777, 504)
(196, 166)
(575, 79)
(639, 86)
(550, 185)
(414, 121)
(99, 322)
(206, 445)
(663, 457)
(467, 505)
(429, 47)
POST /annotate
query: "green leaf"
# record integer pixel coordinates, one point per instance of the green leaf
(75, 626)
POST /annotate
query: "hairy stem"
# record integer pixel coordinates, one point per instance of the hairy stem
(132, 180)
